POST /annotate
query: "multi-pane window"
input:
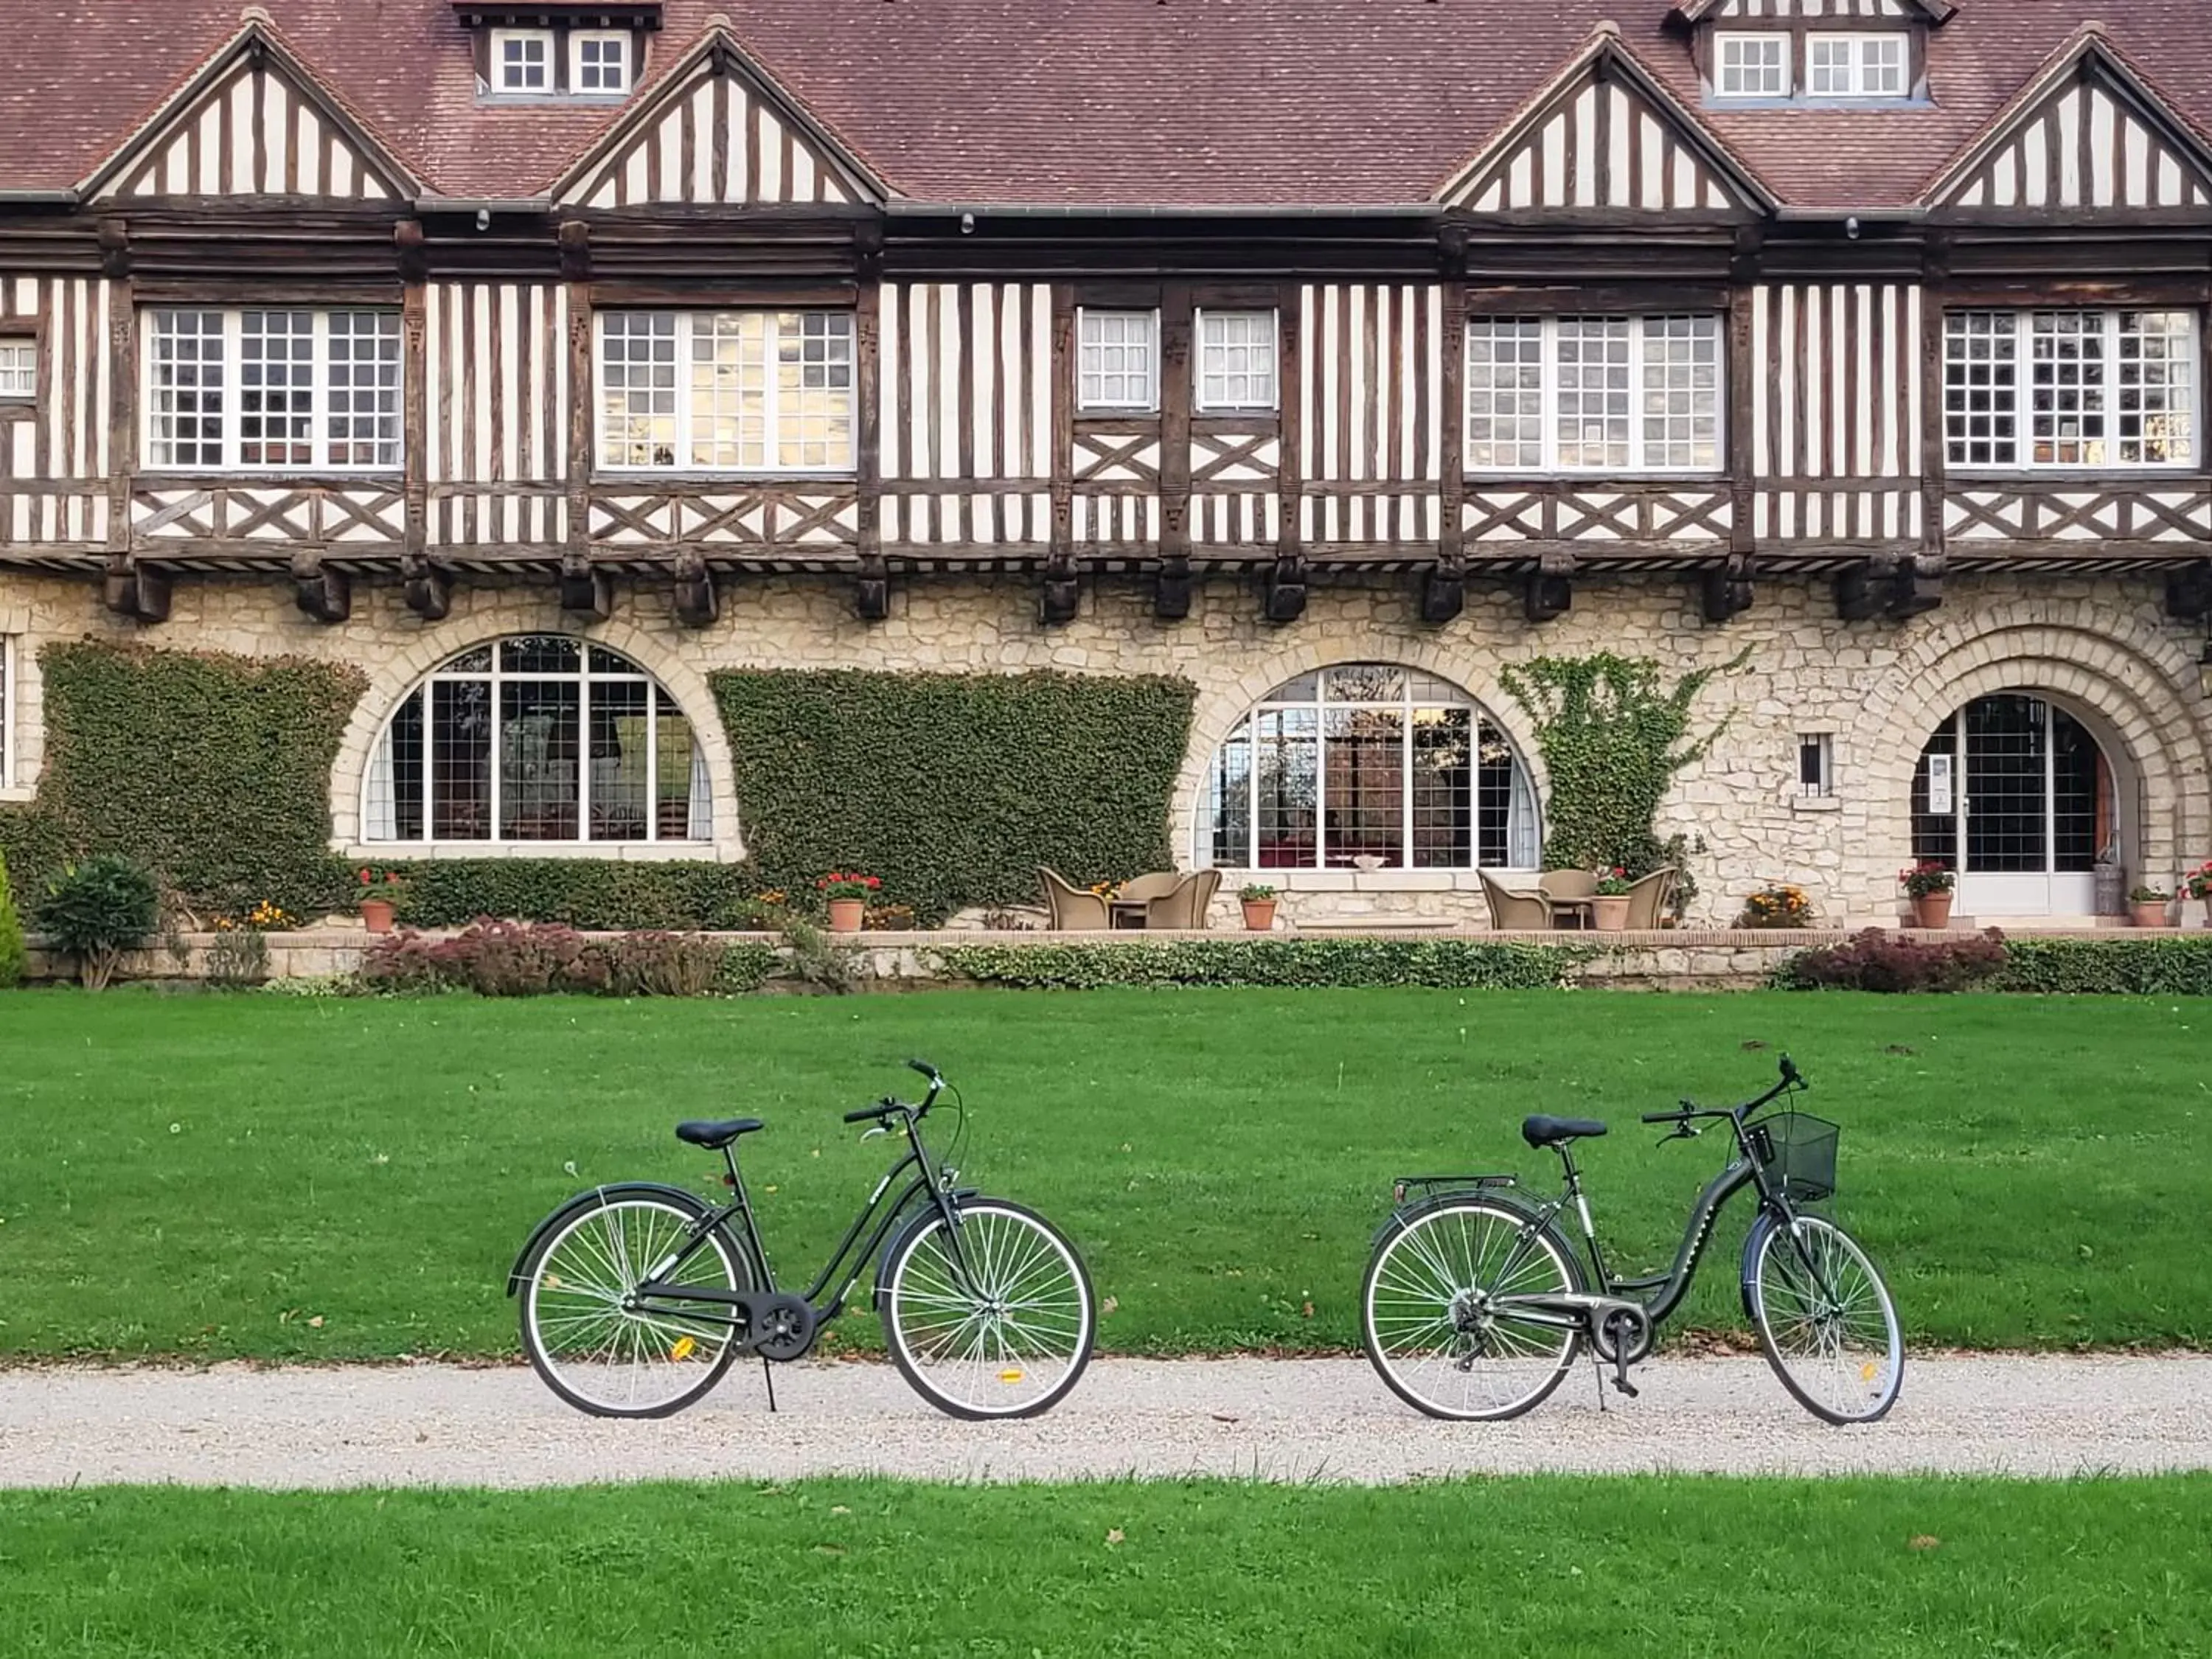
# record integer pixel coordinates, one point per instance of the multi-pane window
(1750, 65)
(272, 388)
(599, 61)
(538, 739)
(726, 391)
(522, 60)
(2070, 388)
(1119, 366)
(19, 370)
(1856, 65)
(1594, 393)
(1235, 360)
(1367, 766)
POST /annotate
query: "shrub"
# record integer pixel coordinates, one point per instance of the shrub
(1452, 963)
(515, 959)
(595, 894)
(2113, 967)
(96, 911)
(1880, 960)
(661, 964)
(12, 957)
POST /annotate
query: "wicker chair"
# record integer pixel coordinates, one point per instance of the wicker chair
(1509, 910)
(1556, 885)
(1185, 906)
(1142, 890)
(1074, 909)
(1647, 898)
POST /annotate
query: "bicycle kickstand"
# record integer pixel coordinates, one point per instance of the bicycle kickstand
(767, 1376)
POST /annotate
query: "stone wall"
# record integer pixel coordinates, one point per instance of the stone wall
(2101, 648)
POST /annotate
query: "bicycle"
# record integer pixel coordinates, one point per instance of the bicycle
(635, 1298)
(1475, 1305)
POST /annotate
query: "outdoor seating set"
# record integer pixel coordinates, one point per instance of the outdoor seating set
(1570, 898)
(1166, 898)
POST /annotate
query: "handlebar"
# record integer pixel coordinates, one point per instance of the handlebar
(888, 1106)
(1689, 1108)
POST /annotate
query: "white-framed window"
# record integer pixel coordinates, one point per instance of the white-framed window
(1584, 394)
(19, 370)
(1236, 360)
(2025, 389)
(726, 391)
(1856, 65)
(540, 737)
(599, 62)
(1119, 366)
(1367, 766)
(1750, 65)
(272, 389)
(1816, 764)
(522, 60)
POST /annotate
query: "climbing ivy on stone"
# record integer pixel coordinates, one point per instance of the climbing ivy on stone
(1613, 736)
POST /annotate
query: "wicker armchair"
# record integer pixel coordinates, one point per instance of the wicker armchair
(1556, 885)
(1074, 909)
(1185, 905)
(1142, 890)
(1647, 898)
(1509, 910)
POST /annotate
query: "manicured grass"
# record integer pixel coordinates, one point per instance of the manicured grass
(1560, 1567)
(213, 1175)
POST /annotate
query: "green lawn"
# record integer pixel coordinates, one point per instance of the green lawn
(251, 1174)
(1872, 1569)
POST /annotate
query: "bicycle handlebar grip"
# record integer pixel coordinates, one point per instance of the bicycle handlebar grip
(924, 1067)
(882, 1108)
(1663, 1117)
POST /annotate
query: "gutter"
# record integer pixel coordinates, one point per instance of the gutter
(65, 198)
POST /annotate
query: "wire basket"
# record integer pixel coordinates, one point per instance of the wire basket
(1798, 1153)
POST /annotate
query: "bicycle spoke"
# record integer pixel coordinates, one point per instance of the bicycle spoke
(992, 1323)
(1826, 1321)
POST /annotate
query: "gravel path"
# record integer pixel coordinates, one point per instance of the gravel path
(1326, 1420)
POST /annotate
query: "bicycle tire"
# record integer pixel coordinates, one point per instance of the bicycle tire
(1862, 1378)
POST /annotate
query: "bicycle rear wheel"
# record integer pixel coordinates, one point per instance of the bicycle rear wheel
(1432, 1318)
(1825, 1319)
(616, 1361)
(997, 1322)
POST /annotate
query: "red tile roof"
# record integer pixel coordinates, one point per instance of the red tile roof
(1169, 103)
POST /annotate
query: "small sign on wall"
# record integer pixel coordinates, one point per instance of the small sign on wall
(1939, 785)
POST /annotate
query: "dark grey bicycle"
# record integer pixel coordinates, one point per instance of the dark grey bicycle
(636, 1297)
(1475, 1304)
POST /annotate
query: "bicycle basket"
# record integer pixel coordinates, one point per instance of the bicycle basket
(1798, 1153)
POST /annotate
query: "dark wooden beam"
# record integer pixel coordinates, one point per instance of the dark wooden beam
(1888, 586)
(1443, 591)
(136, 591)
(1725, 590)
(586, 589)
(1284, 590)
(1171, 587)
(871, 589)
(2189, 591)
(1062, 594)
(1548, 591)
(697, 604)
(320, 591)
(429, 590)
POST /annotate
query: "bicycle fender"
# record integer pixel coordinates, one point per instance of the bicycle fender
(923, 1214)
(1752, 1241)
(594, 1199)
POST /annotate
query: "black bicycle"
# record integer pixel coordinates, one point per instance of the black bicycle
(1475, 1305)
(635, 1298)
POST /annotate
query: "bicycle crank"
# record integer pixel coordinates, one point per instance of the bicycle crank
(1620, 1330)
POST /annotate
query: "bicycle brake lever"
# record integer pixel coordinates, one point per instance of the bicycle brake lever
(880, 1129)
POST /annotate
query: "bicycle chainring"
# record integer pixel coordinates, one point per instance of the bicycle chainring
(783, 1326)
(1621, 1334)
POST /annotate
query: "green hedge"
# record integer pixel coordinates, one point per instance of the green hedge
(1452, 963)
(2120, 967)
(12, 954)
(954, 788)
(213, 770)
(587, 893)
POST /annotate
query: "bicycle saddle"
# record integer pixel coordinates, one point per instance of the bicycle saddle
(1552, 1131)
(718, 1132)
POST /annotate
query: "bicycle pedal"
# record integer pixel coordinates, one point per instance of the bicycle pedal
(1627, 1386)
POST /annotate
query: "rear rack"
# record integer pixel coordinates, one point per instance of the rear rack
(1427, 1186)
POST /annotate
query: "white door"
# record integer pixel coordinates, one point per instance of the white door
(2013, 793)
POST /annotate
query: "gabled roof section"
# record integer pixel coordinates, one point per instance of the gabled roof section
(253, 120)
(718, 129)
(1604, 134)
(2087, 132)
(1841, 13)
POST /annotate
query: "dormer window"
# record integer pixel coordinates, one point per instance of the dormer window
(522, 60)
(1752, 65)
(1855, 66)
(531, 50)
(599, 62)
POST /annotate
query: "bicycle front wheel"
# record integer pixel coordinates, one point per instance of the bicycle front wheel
(1438, 1318)
(995, 1320)
(1825, 1319)
(590, 1340)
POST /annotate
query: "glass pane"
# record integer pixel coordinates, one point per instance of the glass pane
(1365, 682)
(637, 388)
(1304, 688)
(621, 732)
(2006, 738)
(460, 760)
(1443, 795)
(478, 661)
(403, 746)
(1364, 794)
(538, 781)
(1981, 387)
(1593, 391)
(1935, 834)
(1229, 807)
(1284, 748)
(681, 780)
(540, 653)
(275, 388)
(605, 661)
(2077, 793)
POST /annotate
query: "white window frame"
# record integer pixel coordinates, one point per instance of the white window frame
(232, 390)
(1085, 374)
(496, 78)
(1762, 38)
(1639, 339)
(1822, 786)
(2188, 378)
(577, 38)
(1269, 349)
(1858, 65)
(26, 393)
(687, 437)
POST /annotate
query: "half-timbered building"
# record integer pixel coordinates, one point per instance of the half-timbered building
(541, 358)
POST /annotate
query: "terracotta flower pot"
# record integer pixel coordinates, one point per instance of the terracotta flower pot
(1932, 909)
(1259, 914)
(2147, 913)
(2208, 910)
(846, 915)
(376, 915)
(1609, 912)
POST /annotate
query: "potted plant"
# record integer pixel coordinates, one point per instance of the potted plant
(1928, 886)
(848, 892)
(2200, 887)
(2147, 905)
(1259, 902)
(1777, 904)
(380, 894)
(1609, 900)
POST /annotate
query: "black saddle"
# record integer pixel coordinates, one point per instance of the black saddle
(718, 1132)
(1552, 1131)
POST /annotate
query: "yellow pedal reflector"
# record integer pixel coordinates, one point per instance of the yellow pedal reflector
(684, 1348)
(1010, 1377)
(1867, 1372)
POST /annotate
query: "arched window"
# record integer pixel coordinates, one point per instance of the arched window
(538, 739)
(1368, 766)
